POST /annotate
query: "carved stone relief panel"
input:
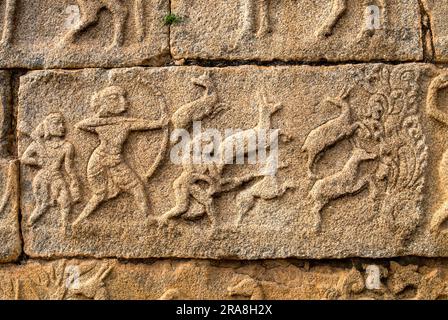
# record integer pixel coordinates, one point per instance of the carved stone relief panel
(83, 33)
(133, 162)
(309, 30)
(202, 279)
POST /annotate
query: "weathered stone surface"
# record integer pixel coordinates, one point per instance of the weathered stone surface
(11, 244)
(10, 240)
(361, 164)
(334, 30)
(437, 11)
(194, 279)
(82, 33)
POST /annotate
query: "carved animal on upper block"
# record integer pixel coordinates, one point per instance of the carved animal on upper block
(206, 106)
(90, 11)
(344, 182)
(329, 133)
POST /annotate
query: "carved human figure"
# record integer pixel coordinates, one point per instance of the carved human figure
(53, 155)
(108, 173)
(8, 22)
(90, 10)
(439, 83)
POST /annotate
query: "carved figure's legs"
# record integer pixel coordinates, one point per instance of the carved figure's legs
(42, 197)
(91, 206)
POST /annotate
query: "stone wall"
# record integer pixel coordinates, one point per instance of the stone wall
(227, 149)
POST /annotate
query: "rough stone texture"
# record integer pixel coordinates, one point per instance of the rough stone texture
(309, 30)
(362, 170)
(437, 11)
(194, 279)
(82, 33)
(11, 244)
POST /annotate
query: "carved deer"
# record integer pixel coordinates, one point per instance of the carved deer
(344, 182)
(329, 133)
(266, 110)
(197, 110)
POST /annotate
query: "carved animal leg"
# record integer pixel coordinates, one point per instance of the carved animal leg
(211, 212)
(317, 213)
(119, 13)
(337, 10)
(140, 198)
(182, 196)
(38, 212)
(265, 24)
(91, 206)
(8, 27)
(139, 20)
(310, 163)
(245, 202)
(89, 15)
(249, 13)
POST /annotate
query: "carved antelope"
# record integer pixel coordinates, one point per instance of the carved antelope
(265, 111)
(197, 110)
(329, 133)
(344, 182)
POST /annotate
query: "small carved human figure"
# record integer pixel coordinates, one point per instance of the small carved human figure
(53, 155)
(90, 10)
(108, 173)
(8, 22)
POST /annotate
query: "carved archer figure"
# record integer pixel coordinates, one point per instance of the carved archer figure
(107, 172)
(52, 155)
(90, 10)
(8, 24)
